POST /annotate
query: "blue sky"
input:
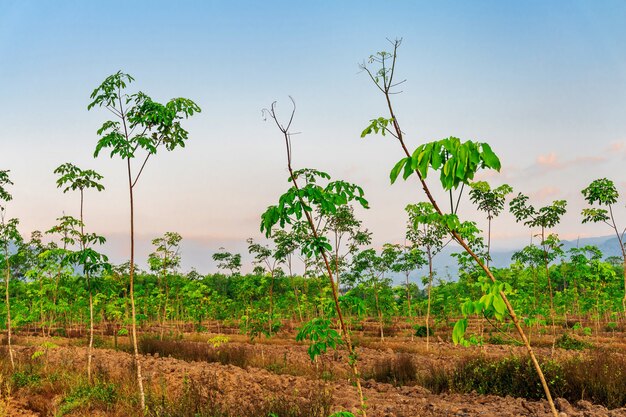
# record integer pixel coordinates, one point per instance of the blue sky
(544, 82)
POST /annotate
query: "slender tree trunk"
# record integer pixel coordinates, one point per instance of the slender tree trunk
(430, 285)
(552, 312)
(271, 301)
(488, 241)
(90, 350)
(88, 277)
(380, 314)
(7, 278)
(408, 303)
(131, 273)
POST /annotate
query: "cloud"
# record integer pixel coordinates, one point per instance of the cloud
(549, 161)
(616, 147)
(552, 162)
(545, 192)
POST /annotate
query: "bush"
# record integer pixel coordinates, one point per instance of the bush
(599, 377)
(420, 331)
(100, 396)
(28, 377)
(571, 343)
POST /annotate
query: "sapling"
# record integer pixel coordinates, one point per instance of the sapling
(428, 235)
(369, 268)
(8, 235)
(408, 259)
(140, 125)
(73, 178)
(164, 261)
(286, 245)
(457, 162)
(269, 260)
(227, 261)
(545, 218)
(490, 201)
(346, 236)
(298, 203)
(604, 193)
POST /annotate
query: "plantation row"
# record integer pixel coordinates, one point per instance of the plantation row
(52, 297)
(70, 281)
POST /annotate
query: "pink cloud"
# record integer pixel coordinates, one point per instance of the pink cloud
(616, 147)
(545, 192)
(550, 161)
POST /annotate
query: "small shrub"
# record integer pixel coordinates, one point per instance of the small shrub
(571, 343)
(420, 331)
(100, 396)
(24, 378)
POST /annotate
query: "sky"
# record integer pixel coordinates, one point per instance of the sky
(543, 82)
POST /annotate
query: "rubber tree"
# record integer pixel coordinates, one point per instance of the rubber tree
(287, 243)
(304, 197)
(73, 178)
(545, 218)
(369, 269)
(491, 202)
(532, 257)
(429, 236)
(164, 262)
(227, 261)
(346, 237)
(9, 235)
(604, 193)
(456, 162)
(408, 259)
(269, 260)
(140, 128)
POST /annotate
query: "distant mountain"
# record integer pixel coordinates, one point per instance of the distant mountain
(447, 268)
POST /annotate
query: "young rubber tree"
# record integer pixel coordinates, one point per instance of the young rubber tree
(429, 235)
(9, 235)
(604, 193)
(532, 257)
(456, 162)
(228, 261)
(346, 236)
(304, 197)
(141, 127)
(269, 260)
(545, 218)
(287, 243)
(73, 178)
(408, 259)
(490, 201)
(367, 270)
(165, 261)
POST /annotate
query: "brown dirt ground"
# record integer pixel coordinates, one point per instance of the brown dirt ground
(236, 386)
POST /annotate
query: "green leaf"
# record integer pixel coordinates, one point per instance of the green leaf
(490, 158)
(393, 175)
(458, 332)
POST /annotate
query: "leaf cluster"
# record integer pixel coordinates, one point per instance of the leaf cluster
(456, 161)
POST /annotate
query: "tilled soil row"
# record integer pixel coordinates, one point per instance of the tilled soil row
(238, 388)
